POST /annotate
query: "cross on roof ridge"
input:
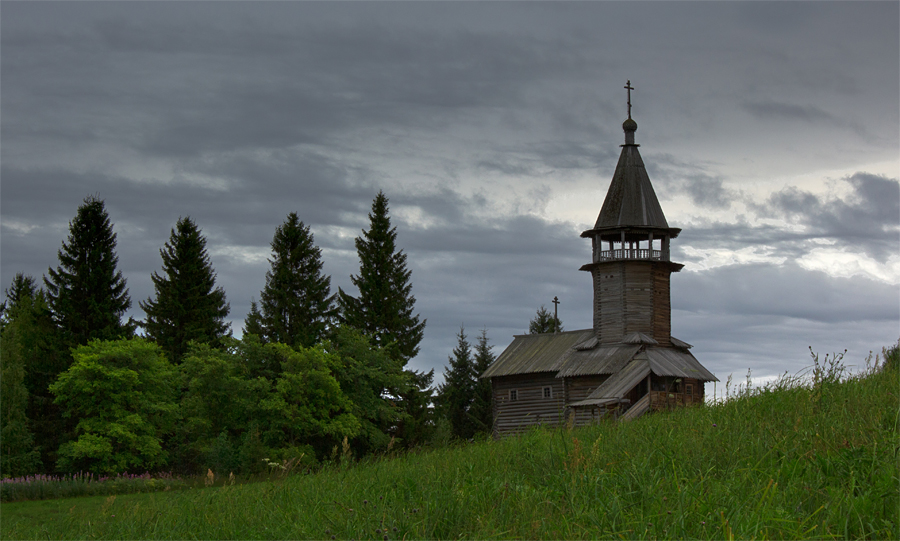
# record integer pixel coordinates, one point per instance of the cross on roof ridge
(629, 88)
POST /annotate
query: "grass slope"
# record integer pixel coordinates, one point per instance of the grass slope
(789, 461)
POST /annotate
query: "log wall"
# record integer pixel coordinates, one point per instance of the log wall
(578, 388)
(609, 291)
(632, 296)
(637, 305)
(662, 305)
(530, 407)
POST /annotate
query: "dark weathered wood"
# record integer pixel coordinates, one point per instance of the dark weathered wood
(678, 397)
(530, 407)
(632, 296)
(631, 272)
(662, 308)
(638, 409)
(578, 388)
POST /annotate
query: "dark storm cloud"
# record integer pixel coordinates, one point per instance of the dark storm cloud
(674, 176)
(707, 191)
(238, 113)
(251, 198)
(736, 235)
(868, 220)
(810, 114)
(541, 159)
(776, 110)
(224, 87)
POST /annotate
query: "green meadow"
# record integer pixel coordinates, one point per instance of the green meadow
(812, 458)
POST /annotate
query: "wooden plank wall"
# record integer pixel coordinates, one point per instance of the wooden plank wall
(597, 277)
(632, 296)
(578, 388)
(530, 408)
(662, 305)
(609, 296)
(638, 297)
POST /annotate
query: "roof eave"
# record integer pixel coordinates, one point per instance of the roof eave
(671, 231)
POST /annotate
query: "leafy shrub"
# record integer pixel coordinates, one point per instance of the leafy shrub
(122, 393)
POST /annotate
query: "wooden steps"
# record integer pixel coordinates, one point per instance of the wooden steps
(639, 408)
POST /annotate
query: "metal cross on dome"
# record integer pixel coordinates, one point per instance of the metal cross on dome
(629, 88)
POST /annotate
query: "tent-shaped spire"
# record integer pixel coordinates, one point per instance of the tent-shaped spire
(631, 201)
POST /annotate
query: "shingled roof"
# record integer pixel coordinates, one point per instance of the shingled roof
(631, 200)
(532, 353)
(577, 353)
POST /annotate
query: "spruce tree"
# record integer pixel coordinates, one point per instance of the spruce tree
(31, 338)
(87, 293)
(456, 394)
(188, 305)
(18, 454)
(384, 308)
(482, 411)
(253, 323)
(544, 322)
(417, 424)
(22, 289)
(295, 307)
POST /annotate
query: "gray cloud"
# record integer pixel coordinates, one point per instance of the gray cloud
(708, 192)
(787, 111)
(238, 113)
(869, 219)
(785, 292)
(263, 90)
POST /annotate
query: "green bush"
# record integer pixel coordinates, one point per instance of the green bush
(122, 394)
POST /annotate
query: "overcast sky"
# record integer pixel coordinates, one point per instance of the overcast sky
(770, 132)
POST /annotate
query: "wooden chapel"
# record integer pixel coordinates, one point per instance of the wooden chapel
(628, 363)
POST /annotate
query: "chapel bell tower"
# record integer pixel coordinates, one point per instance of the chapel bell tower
(630, 247)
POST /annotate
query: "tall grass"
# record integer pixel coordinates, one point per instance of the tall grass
(41, 487)
(799, 458)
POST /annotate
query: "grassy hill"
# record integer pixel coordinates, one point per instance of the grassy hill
(794, 460)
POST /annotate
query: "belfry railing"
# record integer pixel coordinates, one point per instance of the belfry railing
(631, 253)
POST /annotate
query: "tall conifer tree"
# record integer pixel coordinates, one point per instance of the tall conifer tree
(18, 454)
(188, 305)
(417, 425)
(384, 308)
(30, 336)
(295, 307)
(481, 410)
(22, 289)
(456, 394)
(87, 292)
